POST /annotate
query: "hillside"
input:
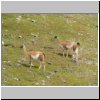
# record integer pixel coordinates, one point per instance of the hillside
(41, 29)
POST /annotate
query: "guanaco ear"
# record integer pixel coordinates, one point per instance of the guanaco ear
(22, 46)
(78, 43)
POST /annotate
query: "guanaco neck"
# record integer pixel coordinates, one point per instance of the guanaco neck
(25, 51)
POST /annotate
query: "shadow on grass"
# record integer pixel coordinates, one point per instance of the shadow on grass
(27, 65)
(65, 55)
(69, 56)
(48, 47)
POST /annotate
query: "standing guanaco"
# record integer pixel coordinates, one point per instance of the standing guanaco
(35, 55)
(66, 45)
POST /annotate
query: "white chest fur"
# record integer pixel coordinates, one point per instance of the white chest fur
(35, 57)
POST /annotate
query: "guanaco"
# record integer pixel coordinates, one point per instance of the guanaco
(35, 55)
(66, 45)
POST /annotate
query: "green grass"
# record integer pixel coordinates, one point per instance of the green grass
(62, 71)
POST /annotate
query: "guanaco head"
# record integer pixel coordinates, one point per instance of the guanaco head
(78, 44)
(55, 37)
(22, 46)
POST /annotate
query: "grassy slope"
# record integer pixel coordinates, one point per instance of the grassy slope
(61, 72)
